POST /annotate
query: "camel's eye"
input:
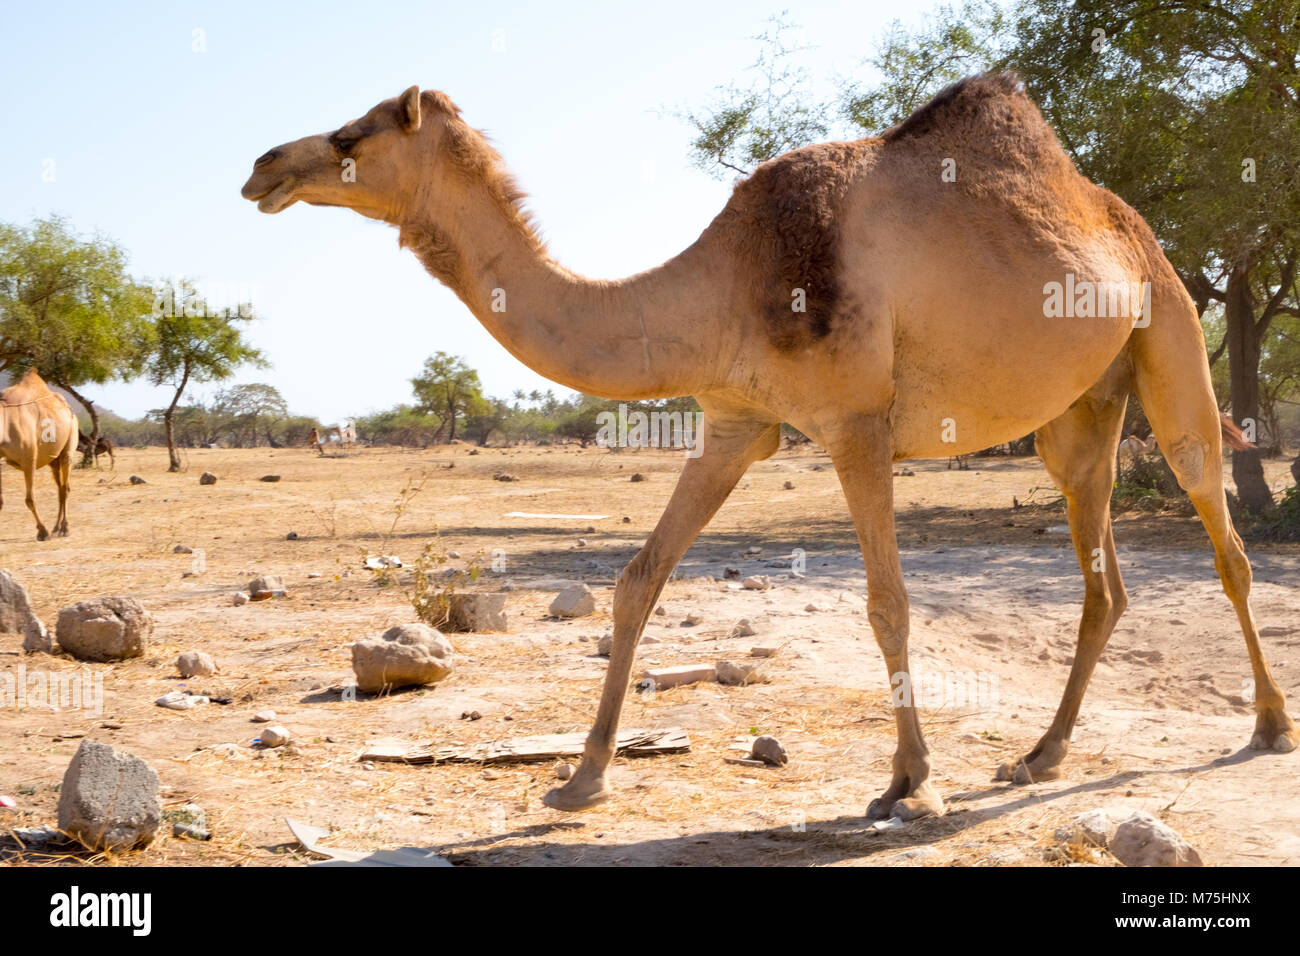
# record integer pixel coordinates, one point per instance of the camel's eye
(344, 142)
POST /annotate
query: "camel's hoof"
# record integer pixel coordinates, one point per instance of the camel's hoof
(577, 795)
(923, 801)
(42, 535)
(1277, 734)
(1022, 773)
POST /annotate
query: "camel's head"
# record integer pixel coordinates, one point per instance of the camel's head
(374, 165)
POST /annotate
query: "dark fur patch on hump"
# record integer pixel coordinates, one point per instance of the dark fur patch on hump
(793, 205)
(957, 102)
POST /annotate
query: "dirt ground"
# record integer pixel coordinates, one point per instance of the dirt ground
(995, 591)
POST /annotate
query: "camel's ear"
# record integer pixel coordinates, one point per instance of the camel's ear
(408, 110)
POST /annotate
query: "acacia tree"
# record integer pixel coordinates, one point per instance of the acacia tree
(193, 342)
(450, 390)
(1187, 109)
(69, 309)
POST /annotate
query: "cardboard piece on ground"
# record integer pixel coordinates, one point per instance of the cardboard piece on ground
(310, 836)
(631, 743)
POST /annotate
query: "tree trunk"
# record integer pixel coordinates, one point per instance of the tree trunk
(87, 456)
(173, 456)
(1243, 370)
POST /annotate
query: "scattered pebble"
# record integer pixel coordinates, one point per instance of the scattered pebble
(742, 628)
(207, 478)
(693, 618)
(275, 736)
(239, 598)
(638, 477)
(563, 771)
(758, 582)
(196, 664)
(769, 750)
(788, 486)
(264, 717)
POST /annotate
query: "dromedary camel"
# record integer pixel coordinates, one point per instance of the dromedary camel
(860, 291)
(37, 428)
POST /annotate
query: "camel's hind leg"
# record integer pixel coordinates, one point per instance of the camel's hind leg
(728, 448)
(1172, 380)
(61, 468)
(1078, 451)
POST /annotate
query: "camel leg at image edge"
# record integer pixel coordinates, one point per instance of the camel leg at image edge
(729, 448)
(1185, 420)
(863, 458)
(29, 476)
(1075, 449)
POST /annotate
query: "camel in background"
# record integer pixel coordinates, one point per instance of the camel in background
(37, 428)
(345, 436)
(102, 447)
(883, 309)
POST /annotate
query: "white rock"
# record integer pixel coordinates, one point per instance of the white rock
(264, 717)
(757, 582)
(275, 736)
(1142, 840)
(196, 664)
(239, 598)
(1093, 827)
(574, 601)
(108, 799)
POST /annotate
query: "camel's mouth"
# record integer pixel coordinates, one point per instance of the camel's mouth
(275, 199)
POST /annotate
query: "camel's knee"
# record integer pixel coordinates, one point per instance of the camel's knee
(1189, 457)
(888, 615)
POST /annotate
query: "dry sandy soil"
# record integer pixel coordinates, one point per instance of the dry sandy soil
(995, 592)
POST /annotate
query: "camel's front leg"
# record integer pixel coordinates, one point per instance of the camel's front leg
(29, 475)
(728, 448)
(862, 451)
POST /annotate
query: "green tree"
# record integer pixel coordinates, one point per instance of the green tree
(1187, 109)
(449, 390)
(69, 309)
(194, 343)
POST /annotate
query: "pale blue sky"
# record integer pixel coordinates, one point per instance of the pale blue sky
(151, 141)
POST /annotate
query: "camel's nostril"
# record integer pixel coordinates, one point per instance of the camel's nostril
(266, 158)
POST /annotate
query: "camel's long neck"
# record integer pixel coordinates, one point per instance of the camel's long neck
(656, 334)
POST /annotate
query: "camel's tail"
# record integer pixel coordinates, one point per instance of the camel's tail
(1233, 436)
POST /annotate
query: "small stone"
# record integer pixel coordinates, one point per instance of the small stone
(196, 664)
(739, 674)
(1142, 840)
(638, 477)
(137, 480)
(731, 574)
(264, 717)
(769, 750)
(291, 536)
(182, 549)
(470, 715)
(660, 611)
(742, 628)
(313, 574)
(491, 775)
(564, 771)
(504, 476)
(811, 608)
(239, 598)
(207, 478)
(757, 582)
(275, 736)
(453, 554)
(626, 519)
(591, 529)
(754, 549)
(1093, 827)
(109, 799)
(582, 542)
(574, 601)
(190, 831)
(476, 611)
(788, 486)
(692, 619)
(179, 700)
(266, 586)
(269, 478)
(762, 652)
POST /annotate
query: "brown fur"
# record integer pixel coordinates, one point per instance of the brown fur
(790, 207)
